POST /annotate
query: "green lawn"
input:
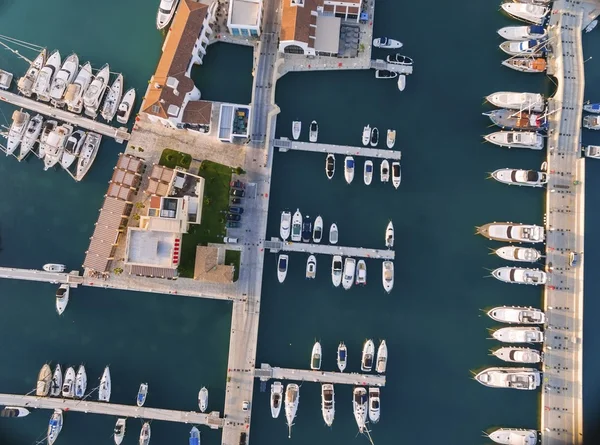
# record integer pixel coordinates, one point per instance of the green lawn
(212, 228)
(232, 258)
(173, 158)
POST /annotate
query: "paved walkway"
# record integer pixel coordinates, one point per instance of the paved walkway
(369, 152)
(305, 375)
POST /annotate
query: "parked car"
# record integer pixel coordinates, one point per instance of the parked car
(232, 225)
(237, 192)
(573, 259)
(236, 210)
(232, 217)
(237, 184)
(236, 200)
(230, 240)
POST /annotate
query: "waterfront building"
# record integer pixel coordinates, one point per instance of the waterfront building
(233, 122)
(245, 17)
(209, 265)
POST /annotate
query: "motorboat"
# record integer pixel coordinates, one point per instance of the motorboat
(54, 426)
(307, 227)
(342, 356)
(63, 78)
(142, 394)
(318, 230)
(62, 298)
(368, 356)
(87, 154)
(311, 267)
(359, 407)
(313, 133)
(512, 233)
(328, 403)
(513, 378)
(520, 254)
(315, 357)
(296, 129)
(194, 436)
(5, 79)
(349, 169)
(391, 138)
(523, 32)
(31, 135)
(166, 10)
(519, 334)
(520, 275)
(80, 382)
(361, 273)
(13, 411)
(72, 148)
(366, 136)
(517, 101)
(592, 108)
(387, 272)
(330, 166)
(348, 275)
(282, 267)
(56, 382)
(333, 234)
(75, 91)
(515, 176)
(145, 434)
(531, 48)
(526, 12)
(516, 139)
(336, 270)
(384, 171)
(399, 59)
(297, 226)
(510, 436)
(203, 399)
(43, 382)
(591, 122)
(276, 399)
(516, 354)
(386, 43)
(526, 64)
(47, 128)
(591, 26)
(53, 267)
(592, 151)
(385, 74)
(284, 226)
(26, 83)
(389, 235)
(292, 398)
(374, 137)
(44, 79)
(93, 95)
(105, 386)
(382, 353)
(113, 99)
(126, 106)
(68, 386)
(119, 432)
(516, 314)
(55, 145)
(401, 82)
(368, 172)
(518, 120)
(17, 130)
(374, 404)
(396, 174)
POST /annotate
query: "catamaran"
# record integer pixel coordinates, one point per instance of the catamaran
(391, 138)
(513, 233)
(113, 99)
(75, 91)
(336, 270)
(359, 407)
(515, 176)
(368, 354)
(519, 334)
(282, 267)
(384, 171)
(142, 394)
(333, 234)
(54, 426)
(520, 254)
(93, 95)
(374, 404)
(517, 101)
(284, 226)
(126, 106)
(348, 275)
(330, 166)
(276, 398)
(318, 229)
(80, 382)
(516, 354)
(315, 357)
(389, 235)
(527, 12)
(105, 386)
(520, 275)
(292, 398)
(513, 378)
(349, 169)
(68, 386)
(43, 382)
(509, 436)
(382, 355)
(516, 314)
(366, 135)
(87, 154)
(26, 83)
(119, 431)
(296, 129)
(44, 79)
(368, 172)
(342, 356)
(62, 298)
(56, 382)
(297, 226)
(203, 399)
(311, 267)
(361, 273)
(387, 275)
(63, 78)
(166, 10)
(328, 403)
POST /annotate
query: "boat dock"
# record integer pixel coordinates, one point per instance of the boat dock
(275, 245)
(73, 278)
(285, 145)
(380, 64)
(266, 372)
(118, 134)
(211, 420)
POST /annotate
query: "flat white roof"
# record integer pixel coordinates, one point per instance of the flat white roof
(148, 247)
(245, 12)
(327, 37)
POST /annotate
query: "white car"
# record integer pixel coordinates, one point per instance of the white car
(230, 240)
(245, 405)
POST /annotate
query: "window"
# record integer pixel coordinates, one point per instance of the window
(245, 32)
(155, 109)
(293, 49)
(297, 2)
(235, 32)
(254, 32)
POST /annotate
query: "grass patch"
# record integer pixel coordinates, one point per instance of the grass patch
(232, 258)
(173, 158)
(212, 228)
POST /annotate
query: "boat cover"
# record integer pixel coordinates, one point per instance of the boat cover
(342, 354)
(537, 29)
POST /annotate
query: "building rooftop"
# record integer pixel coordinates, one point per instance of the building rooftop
(245, 12)
(296, 21)
(327, 38)
(197, 112)
(150, 247)
(209, 267)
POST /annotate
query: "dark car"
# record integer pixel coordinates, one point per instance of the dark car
(238, 192)
(236, 210)
(232, 217)
(243, 438)
(232, 225)
(237, 184)
(236, 200)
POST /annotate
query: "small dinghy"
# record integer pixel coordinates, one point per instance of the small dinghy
(282, 266)
(125, 107)
(276, 399)
(296, 129)
(389, 235)
(361, 272)
(311, 267)
(401, 82)
(56, 383)
(342, 356)
(349, 169)
(374, 137)
(105, 386)
(119, 432)
(330, 166)
(591, 26)
(388, 276)
(368, 172)
(384, 171)
(315, 357)
(396, 174)
(203, 399)
(52, 267)
(145, 434)
(142, 394)
(336, 270)
(391, 139)
(318, 230)
(333, 234)
(382, 354)
(68, 386)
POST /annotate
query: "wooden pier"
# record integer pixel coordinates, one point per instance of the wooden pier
(275, 245)
(380, 64)
(285, 145)
(266, 372)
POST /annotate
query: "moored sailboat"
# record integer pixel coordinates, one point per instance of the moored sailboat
(56, 382)
(359, 407)
(68, 386)
(119, 431)
(43, 382)
(145, 434)
(292, 399)
(87, 154)
(54, 426)
(32, 133)
(142, 394)
(80, 382)
(105, 386)
(26, 83)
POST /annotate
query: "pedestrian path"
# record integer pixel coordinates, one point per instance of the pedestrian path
(285, 145)
(266, 372)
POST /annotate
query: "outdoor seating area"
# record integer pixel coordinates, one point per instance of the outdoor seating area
(349, 40)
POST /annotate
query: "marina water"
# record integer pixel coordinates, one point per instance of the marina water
(435, 331)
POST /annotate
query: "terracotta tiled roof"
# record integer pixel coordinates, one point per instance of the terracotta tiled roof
(156, 272)
(207, 267)
(296, 21)
(197, 112)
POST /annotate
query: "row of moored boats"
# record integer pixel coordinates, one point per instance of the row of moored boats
(395, 59)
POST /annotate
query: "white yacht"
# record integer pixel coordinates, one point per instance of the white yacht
(515, 354)
(284, 226)
(374, 404)
(368, 172)
(142, 394)
(591, 26)
(72, 148)
(349, 169)
(515, 314)
(119, 431)
(55, 145)
(386, 43)
(387, 275)
(126, 106)
(328, 403)
(368, 356)
(524, 47)
(514, 378)
(359, 407)
(62, 298)
(318, 229)
(516, 139)
(17, 130)
(348, 275)
(519, 334)
(515, 176)
(80, 382)
(315, 357)
(384, 171)
(14, 411)
(389, 235)
(517, 101)
(366, 135)
(592, 151)
(44, 79)
(361, 273)
(32, 133)
(520, 254)
(76, 90)
(145, 434)
(526, 64)
(523, 32)
(592, 107)
(330, 166)
(292, 398)
(520, 275)
(513, 436)
(5, 79)
(513, 233)
(276, 399)
(374, 137)
(336, 270)
(382, 353)
(87, 154)
(26, 83)
(313, 133)
(47, 128)
(282, 267)
(396, 174)
(333, 234)
(527, 12)
(391, 138)
(43, 382)
(402, 82)
(63, 78)
(93, 95)
(113, 99)
(342, 356)
(56, 382)
(311, 267)
(105, 386)
(166, 10)
(203, 399)
(68, 386)
(297, 226)
(53, 267)
(296, 129)
(591, 122)
(54, 426)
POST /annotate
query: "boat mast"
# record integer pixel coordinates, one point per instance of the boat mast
(27, 45)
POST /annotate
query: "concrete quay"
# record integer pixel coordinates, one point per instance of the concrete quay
(266, 372)
(285, 145)
(72, 278)
(275, 245)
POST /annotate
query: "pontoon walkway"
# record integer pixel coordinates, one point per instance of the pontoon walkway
(275, 245)
(266, 372)
(287, 145)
